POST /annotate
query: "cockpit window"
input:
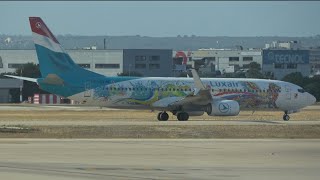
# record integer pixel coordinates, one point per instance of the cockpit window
(301, 90)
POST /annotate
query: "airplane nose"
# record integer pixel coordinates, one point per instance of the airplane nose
(312, 99)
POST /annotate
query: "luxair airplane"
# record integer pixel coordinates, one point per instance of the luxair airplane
(183, 97)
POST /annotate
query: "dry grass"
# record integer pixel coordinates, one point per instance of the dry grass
(156, 130)
(174, 131)
(105, 115)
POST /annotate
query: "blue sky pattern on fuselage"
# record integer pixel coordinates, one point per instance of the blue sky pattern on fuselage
(143, 91)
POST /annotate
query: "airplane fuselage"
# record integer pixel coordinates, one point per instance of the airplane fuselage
(143, 92)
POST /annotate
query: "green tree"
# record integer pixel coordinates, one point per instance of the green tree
(29, 88)
(313, 88)
(254, 71)
(184, 74)
(207, 74)
(295, 78)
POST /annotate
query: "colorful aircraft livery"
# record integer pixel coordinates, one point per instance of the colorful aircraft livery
(183, 97)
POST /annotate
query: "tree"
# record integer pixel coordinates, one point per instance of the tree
(29, 88)
(313, 88)
(184, 74)
(295, 78)
(254, 71)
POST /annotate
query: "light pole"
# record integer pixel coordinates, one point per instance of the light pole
(21, 86)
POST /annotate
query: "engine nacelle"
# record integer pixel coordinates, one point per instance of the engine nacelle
(223, 108)
(195, 113)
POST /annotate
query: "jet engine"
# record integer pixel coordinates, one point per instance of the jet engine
(223, 108)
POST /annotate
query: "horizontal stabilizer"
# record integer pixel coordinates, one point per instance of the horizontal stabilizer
(23, 78)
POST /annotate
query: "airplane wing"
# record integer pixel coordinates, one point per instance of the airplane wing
(23, 78)
(200, 96)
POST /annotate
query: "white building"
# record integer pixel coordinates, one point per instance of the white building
(224, 60)
(148, 62)
(293, 45)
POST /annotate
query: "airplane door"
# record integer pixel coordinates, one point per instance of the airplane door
(87, 88)
(288, 92)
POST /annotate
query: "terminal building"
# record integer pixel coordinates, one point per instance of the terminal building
(276, 61)
(314, 59)
(223, 60)
(148, 62)
(279, 63)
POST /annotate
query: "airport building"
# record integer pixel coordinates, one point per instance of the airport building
(281, 62)
(292, 45)
(148, 62)
(276, 62)
(281, 59)
(223, 60)
(5, 86)
(314, 58)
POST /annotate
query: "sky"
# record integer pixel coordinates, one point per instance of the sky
(165, 18)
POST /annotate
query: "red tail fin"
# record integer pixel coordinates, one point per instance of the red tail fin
(39, 27)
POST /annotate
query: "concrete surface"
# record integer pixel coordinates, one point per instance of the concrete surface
(35, 159)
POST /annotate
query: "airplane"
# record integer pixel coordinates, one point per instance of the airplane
(183, 97)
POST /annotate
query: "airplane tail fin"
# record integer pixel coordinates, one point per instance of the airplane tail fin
(53, 59)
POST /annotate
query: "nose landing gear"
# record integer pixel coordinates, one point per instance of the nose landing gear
(286, 117)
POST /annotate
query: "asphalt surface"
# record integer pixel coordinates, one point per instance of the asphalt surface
(56, 159)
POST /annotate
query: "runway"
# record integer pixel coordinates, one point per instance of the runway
(35, 159)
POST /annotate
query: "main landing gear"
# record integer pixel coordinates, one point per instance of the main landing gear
(163, 116)
(181, 116)
(286, 117)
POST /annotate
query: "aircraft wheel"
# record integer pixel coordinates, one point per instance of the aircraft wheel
(163, 116)
(158, 117)
(286, 117)
(183, 116)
